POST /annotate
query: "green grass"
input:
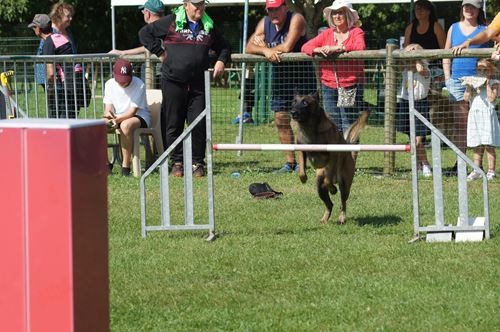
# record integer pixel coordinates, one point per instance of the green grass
(275, 267)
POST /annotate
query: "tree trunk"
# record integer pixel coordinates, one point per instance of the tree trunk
(313, 13)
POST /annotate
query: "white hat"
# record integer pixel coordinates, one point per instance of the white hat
(353, 16)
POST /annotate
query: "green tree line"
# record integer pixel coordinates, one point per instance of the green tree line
(92, 21)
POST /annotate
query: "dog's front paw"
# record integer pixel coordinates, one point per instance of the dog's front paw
(326, 216)
(341, 219)
(302, 176)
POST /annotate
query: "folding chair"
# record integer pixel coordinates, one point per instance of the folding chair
(154, 98)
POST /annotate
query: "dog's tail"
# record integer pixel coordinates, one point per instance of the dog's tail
(352, 134)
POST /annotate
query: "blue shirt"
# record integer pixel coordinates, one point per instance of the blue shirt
(464, 66)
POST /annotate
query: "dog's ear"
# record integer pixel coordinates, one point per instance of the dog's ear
(296, 91)
(315, 95)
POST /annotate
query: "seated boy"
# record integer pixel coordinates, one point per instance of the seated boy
(126, 108)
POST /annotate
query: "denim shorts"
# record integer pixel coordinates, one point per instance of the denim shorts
(403, 117)
(455, 90)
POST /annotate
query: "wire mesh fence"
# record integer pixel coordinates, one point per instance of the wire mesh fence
(251, 102)
(18, 45)
(381, 88)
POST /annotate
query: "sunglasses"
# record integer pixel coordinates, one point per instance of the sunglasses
(338, 12)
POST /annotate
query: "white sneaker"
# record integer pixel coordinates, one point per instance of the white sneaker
(426, 171)
(473, 176)
(490, 175)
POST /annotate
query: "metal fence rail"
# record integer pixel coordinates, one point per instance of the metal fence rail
(77, 96)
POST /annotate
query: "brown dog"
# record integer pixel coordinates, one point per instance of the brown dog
(315, 127)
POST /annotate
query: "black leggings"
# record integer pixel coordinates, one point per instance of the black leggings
(181, 103)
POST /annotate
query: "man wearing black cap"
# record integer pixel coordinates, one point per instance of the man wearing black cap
(42, 27)
(182, 41)
(126, 107)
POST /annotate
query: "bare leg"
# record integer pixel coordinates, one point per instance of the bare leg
(285, 133)
(127, 128)
(421, 154)
(461, 109)
(492, 157)
(478, 155)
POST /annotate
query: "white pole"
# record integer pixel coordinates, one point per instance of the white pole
(312, 147)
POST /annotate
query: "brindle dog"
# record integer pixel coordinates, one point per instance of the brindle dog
(315, 127)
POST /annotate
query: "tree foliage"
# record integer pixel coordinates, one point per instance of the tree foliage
(12, 10)
(92, 21)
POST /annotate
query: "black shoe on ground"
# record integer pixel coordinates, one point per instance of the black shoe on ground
(125, 171)
(110, 168)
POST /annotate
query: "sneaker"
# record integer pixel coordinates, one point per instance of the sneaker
(426, 171)
(110, 168)
(296, 169)
(125, 171)
(178, 169)
(247, 118)
(490, 175)
(473, 176)
(286, 168)
(198, 170)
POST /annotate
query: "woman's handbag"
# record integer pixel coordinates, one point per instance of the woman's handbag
(346, 96)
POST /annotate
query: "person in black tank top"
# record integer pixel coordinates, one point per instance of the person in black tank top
(434, 36)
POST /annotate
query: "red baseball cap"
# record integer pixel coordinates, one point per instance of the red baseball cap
(274, 3)
(122, 71)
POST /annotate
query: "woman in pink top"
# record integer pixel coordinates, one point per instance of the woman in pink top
(343, 35)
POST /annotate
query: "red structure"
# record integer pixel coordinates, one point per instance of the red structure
(53, 216)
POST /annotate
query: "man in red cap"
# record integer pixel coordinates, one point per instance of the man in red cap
(126, 108)
(282, 31)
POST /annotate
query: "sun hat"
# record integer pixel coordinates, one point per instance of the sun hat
(353, 16)
(274, 3)
(42, 21)
(476, 3)
(122, 71)
(154, 6)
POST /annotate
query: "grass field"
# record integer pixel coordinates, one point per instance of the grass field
(274, 267)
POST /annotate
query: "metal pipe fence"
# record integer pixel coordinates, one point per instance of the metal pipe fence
(267, 89)
(74, 91)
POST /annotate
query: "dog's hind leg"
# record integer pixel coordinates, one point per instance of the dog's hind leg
(322, 187)
(345, 188)
(302, 166)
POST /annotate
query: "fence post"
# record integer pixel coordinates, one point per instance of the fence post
(149, 73)
(390, 105)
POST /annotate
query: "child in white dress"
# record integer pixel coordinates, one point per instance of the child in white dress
(483, 128)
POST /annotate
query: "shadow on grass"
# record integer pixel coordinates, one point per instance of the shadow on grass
(378, 221)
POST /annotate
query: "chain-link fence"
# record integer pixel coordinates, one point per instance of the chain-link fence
(268, 90)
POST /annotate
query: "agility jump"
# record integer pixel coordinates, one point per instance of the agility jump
(314, 148)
